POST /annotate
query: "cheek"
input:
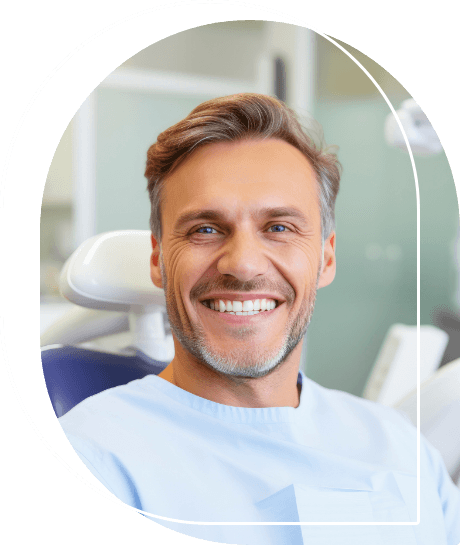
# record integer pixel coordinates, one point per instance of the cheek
(184, 270)
(174, 269)
(301, 264)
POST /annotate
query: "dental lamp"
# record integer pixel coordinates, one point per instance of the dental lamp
(422, 137)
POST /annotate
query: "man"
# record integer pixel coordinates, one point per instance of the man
(243, 236)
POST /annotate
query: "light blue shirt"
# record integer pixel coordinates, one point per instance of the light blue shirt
(334, 458)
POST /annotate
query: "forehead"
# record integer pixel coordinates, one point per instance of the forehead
(241, 177)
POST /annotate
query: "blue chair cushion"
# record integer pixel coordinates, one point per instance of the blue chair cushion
(72, 374)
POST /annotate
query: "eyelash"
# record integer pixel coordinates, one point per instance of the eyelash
(279, 225)
(204, 227)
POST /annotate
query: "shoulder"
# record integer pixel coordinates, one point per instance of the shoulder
(361, 429)
(347, 408)
(98, 415)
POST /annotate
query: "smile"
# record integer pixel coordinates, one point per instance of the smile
(240, 308)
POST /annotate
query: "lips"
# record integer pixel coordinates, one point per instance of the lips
(230, 297)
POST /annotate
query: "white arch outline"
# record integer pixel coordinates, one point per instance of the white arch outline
(5, 170)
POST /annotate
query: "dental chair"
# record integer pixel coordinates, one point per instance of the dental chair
(392, 382)
(439, 414)
(118, 330)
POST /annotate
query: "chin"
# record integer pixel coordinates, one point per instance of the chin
(235, 364)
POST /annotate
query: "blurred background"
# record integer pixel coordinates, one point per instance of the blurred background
(96, 184)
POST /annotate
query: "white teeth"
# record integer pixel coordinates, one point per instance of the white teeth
(237, 306)
(242, 308)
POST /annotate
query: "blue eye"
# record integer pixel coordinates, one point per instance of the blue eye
(278, 228)
(206, 230)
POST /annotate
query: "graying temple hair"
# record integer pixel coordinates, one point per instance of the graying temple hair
(234, 118)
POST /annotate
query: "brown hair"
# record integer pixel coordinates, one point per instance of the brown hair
(235, 118)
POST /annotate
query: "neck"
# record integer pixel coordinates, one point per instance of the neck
(277, 389)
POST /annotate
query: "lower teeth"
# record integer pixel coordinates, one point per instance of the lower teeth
(248, 313)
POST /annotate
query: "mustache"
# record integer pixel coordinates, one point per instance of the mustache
(223, 283)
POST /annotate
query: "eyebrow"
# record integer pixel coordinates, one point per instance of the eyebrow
(267, 212)
(209, 215)
(283, 212)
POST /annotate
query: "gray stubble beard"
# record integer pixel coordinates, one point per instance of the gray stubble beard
(229, 364)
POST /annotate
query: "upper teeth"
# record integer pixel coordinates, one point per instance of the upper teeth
(252, 306)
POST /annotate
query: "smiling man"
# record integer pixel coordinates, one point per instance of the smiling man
(242, 258)
(231, 430)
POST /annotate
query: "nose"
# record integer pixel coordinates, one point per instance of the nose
(243, 257)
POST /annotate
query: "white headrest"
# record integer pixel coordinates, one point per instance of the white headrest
(111, 271)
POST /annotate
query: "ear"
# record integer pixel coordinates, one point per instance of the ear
(155, 271)
(329, 263)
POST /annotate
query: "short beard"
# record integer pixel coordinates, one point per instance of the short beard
(230, 363)
(194, 341)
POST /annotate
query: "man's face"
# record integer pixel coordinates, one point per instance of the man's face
(241, 229)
